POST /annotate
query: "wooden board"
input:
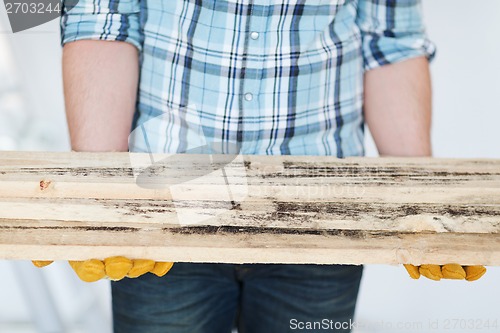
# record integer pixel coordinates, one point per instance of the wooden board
(249, 209)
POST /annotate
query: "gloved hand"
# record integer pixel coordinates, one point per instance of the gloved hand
(448, 271)
(114, 268)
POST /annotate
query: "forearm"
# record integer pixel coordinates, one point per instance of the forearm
(100, 90)
(398, 108)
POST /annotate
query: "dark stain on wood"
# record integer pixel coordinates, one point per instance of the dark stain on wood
(235, 205)
(78, 171)
(139, 207)
(370, 172)
(383, 211)
(78, 228)
(228, 230)
(291, 170)
(290, 211)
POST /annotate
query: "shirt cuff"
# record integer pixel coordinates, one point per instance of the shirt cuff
(105, 26)
(380, 50)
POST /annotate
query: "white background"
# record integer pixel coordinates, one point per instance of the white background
(466, 79)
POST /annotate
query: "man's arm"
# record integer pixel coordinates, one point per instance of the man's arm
(398, 107)
(100, 89)
(398, 113)
(100, 70)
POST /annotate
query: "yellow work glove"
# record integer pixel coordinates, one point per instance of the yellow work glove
(448, 271)
(114, 268)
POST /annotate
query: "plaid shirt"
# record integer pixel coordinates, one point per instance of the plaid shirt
(271, 76)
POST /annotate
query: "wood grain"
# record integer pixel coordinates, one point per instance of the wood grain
(249, 209)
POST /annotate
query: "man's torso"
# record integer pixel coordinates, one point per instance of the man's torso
(274, 78)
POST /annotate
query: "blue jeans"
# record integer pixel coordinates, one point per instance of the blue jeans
(213, 298)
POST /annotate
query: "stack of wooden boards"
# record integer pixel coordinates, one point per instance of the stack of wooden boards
(249, 209)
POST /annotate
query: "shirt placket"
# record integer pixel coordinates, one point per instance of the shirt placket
(251, 91)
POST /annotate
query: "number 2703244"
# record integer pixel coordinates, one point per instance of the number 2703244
(32, 8)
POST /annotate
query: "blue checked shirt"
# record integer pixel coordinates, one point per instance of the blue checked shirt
(265, 76)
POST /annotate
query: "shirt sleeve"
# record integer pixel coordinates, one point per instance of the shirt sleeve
(114, 20)
(392, 31)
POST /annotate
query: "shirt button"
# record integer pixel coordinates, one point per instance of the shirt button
(248, 97)
(254, 35)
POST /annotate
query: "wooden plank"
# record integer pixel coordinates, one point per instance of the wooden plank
(256, 209)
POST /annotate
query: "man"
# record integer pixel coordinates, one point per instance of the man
(275, 77)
